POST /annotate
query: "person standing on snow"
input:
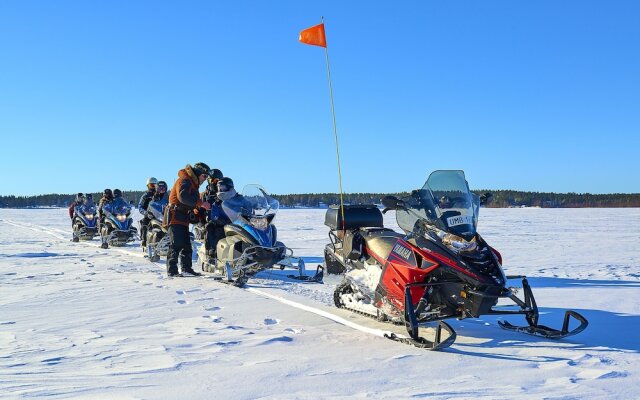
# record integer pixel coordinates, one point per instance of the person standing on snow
(145, 199)
(184, 200)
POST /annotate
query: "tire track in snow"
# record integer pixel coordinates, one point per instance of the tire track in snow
(314, 310)
(33, 228)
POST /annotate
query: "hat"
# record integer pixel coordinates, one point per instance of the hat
(200, 168)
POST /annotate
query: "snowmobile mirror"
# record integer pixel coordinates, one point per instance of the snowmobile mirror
(392, 203)
(485, 198)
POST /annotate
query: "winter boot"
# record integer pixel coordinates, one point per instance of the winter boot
(188, 271)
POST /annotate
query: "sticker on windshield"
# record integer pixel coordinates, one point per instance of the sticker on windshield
(460, 220)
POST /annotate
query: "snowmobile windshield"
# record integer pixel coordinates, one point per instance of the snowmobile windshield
(156, 207)
(119, 206)
(445, 202)
(253, 205)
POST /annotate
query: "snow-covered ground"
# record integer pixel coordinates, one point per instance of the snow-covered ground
(77, 321)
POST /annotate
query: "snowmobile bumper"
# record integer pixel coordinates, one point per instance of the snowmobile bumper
(158, 249)
(120, 237)
(411, 323)
(529, 309)
(252, 260)
(86, 233)
(255, 259)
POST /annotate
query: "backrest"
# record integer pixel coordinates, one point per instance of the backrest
(355, 216)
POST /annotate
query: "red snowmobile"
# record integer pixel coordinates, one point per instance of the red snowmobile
(441, 268)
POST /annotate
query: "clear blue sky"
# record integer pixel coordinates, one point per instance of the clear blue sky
(536, 95)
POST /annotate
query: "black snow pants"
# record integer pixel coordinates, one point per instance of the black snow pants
(179, 247)
(144, 227)
(215, 232)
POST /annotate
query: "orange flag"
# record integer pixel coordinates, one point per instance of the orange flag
(314, 36)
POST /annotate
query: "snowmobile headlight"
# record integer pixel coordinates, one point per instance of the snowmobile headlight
(458, 244)
(121, 217)
(259, 223)
(89, 216)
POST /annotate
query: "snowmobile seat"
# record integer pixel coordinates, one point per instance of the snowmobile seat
(356, 216)
(381, 240)
(232, 230)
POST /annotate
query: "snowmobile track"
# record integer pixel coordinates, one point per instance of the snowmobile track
(333, 315)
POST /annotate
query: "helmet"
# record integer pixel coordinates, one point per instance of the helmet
(225, 189)
(445, 202)
(152, 181)
(89, 196)
(214, 176)
(107, 193)
(200, 168)
(162, 187)
(117, 193)
(225, 184)
(80, 197)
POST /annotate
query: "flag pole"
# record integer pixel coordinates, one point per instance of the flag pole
(335, 132)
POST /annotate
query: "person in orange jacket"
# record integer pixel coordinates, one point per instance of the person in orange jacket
(184, 200)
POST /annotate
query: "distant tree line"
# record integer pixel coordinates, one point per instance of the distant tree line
(55, 200)
(500, 199)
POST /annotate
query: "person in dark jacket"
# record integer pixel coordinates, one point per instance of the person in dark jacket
(209, 195)
(184, 201)
(161, 192)
(107, 197)
(78, 201)
(145, 199)
(217, 217)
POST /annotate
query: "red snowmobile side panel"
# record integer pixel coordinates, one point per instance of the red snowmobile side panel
(402, 267)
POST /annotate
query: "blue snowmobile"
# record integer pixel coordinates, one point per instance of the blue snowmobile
(250, 244)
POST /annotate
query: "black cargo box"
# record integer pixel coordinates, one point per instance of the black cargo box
(359, 216)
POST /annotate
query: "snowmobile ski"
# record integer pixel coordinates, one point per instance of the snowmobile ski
(316, 278)
(421, 342)
(547, 332)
